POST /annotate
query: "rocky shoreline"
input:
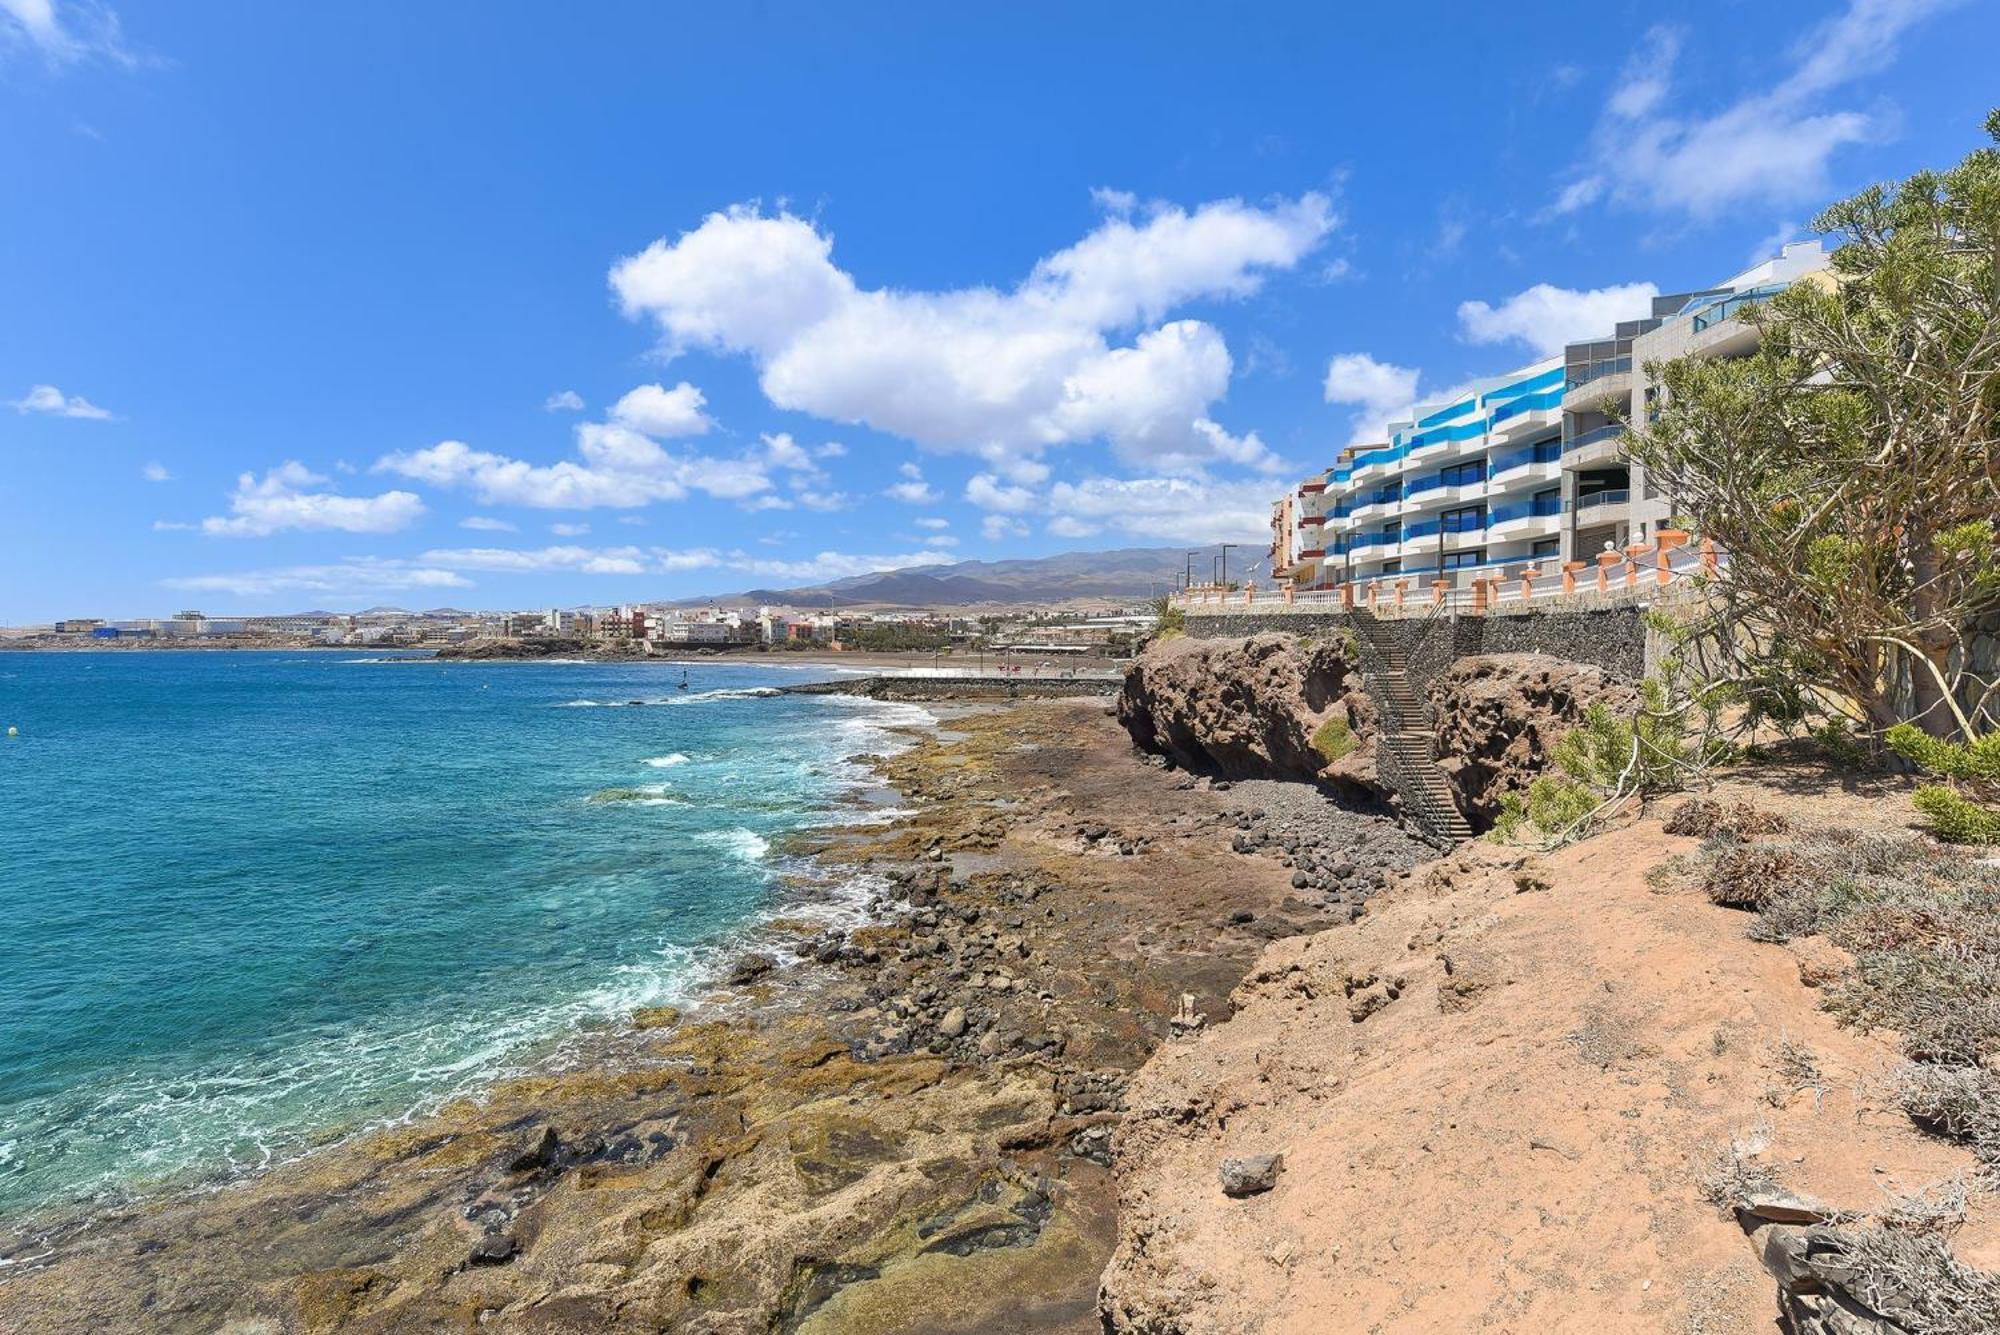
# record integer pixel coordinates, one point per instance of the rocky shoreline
(908, 1129)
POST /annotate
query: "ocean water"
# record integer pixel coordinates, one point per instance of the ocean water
(250, 902)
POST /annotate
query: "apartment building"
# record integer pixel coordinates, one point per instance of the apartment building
(1520, 469)
(1608, 499)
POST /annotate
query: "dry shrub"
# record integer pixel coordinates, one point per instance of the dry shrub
(1735, 1176)
(1745, 876)
(1704, 816)
(1698, 816)
(1915, 1281)
(1962, 1102)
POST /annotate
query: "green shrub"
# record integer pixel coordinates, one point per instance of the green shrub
(1954, 818)
(1333, 739)
(1551, 805)
(1974, 765)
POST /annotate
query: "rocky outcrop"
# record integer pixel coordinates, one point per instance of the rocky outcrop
(1500, 715)
(1285, 707)
(1266, 707)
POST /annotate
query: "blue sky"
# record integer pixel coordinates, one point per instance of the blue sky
(503, 305)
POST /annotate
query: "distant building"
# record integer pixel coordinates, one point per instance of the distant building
(625, 623)
(1522, 468)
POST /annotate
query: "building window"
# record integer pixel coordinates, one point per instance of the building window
(1459, 475)
(1394, 567)
(1459, 560)
(1467, 519)
(1547, 547)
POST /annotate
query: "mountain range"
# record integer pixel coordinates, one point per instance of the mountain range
(1127, 573)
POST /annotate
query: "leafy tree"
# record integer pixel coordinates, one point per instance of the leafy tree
(1850, 467)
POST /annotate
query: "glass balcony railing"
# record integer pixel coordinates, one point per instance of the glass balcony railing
(1532, 507)
(1597, 500)
(1583, 375)
(1589, 438)
(1542, 452)
(1729, 307)
(1529, 403)
(1430, 528)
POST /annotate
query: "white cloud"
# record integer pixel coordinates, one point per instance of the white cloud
(1178, 508)
(620, 468)
(64, 33)
(1378, 390)
(156, 472)
(995, 527)
(583, 560)
(823, 501)
(281, 500)
(486, 524)
(695, 558)
(1067, 526)
(1545, 317)
(563, 401)
(49, 400)
(659, 412)
(1119, 202)
(975, 368)
(1770, 146)
(988, 493)
(569, 530)
(357, 575)
(835, 565)
(933, 522)
(912, 490)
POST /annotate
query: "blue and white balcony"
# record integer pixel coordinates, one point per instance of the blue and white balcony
(1524, 519)
(1424, 494)
(1526, 466)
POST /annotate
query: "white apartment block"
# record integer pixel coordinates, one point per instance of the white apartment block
(1519, 470)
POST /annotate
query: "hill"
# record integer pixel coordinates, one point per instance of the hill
(1126, 573)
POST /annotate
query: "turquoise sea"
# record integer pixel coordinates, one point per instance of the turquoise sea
(251, 901)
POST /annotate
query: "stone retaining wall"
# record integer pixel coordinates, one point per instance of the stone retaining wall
(1612, 638)
(962, 688)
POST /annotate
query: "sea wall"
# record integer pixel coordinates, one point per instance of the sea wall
(1612, 638)
(961, 688)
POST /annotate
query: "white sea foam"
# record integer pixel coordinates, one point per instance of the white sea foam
(746, 845)
(666, 761)
(698, 697)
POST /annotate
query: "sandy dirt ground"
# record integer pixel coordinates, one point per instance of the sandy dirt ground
(1495, 1100)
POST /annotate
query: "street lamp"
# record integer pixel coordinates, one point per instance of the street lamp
(1223, 557)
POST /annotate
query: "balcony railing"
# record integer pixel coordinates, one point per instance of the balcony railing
(1533, 507)
(1529, 403)
(1728, 308)
(1589, 438)
(1583, 375)
(1597, 500)
(1545, 452)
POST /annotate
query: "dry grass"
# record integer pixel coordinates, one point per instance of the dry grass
(1922, 921)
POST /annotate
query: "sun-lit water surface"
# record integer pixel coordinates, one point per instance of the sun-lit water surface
(252, 901)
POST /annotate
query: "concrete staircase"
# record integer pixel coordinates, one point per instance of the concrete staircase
(1406, 739)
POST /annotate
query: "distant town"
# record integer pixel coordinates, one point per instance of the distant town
(1107, 629)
